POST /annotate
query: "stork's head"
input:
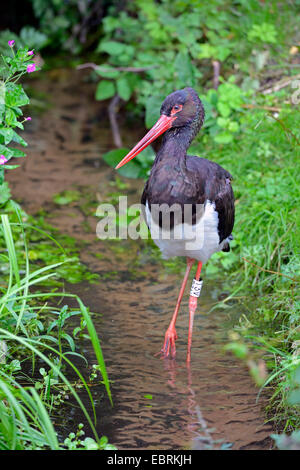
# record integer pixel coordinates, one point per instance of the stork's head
(182, 108)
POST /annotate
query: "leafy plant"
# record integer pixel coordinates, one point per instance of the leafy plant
(265, 33)
(24, 333)
(76, 442)
(29, 37)
(12, 99)
(68, 25)
(137, 168)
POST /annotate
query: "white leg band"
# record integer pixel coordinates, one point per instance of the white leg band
(196, 288)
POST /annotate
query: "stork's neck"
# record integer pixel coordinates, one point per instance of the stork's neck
(175, 143)
(170, 179)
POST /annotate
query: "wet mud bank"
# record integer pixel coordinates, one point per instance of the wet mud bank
(158, 404)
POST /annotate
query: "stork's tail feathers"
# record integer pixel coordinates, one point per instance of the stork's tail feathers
(226, 247)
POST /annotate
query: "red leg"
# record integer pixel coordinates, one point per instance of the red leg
(195, 292)
(171, 335)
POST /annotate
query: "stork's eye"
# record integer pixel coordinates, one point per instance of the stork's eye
(176, 108)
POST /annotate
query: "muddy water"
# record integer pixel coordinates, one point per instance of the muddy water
(158, 404)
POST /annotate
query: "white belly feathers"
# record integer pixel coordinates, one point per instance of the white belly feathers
(197, 241)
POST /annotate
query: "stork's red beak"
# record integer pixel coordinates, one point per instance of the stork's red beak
(162, 125)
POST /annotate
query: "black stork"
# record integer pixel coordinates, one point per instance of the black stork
(186, 181)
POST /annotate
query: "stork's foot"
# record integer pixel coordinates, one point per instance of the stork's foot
(169, 344)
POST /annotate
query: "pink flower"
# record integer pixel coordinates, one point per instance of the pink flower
(31, 68)
(11, 43)
(30, 53)
(28, 118)
(3, 160)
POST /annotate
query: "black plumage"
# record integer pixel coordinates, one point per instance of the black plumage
(178, 178)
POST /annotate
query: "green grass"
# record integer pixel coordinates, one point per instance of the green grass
(263, 269)
(28, 331)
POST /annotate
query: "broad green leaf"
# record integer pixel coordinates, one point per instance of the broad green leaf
(16, 153)
(184, 69)
(111, 47)
(153, 105)
(66, 197)
(130, 170)
(15, 95)
(233, 126)
(33, 38)
(4, 193)
(224, 137)
(207, 51)
(223, 109)
(146, 157)
(223, 53)
(11, 118)
(9, 135)
(10, 167)
(123, 88)
(264, 32)
(6, 151)
(6, 135)
(2, 109)
(105, 89)
(107, 71)
(240, 350)
(294, 397)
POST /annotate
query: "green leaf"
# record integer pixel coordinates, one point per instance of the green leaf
(294, 397)
(111, 47)
(113, 157)
(233, 126)
(4, 193)
(10, 167)
(146, 157)
(9, 152)
(16, 153)
(66, 197)
(10, 135)
(15, 95)
(223, 109)
(2, 108)
(105, 89)
(123, 88)
(264, 32)
(223, 138)
(184, 69)
(107, 71)
(32, 38)
(207, 51)
(7, 135)
(153, 105)
(130, 170)
(296, 376)
(11, 118)
(5, 151)
(240, 350)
